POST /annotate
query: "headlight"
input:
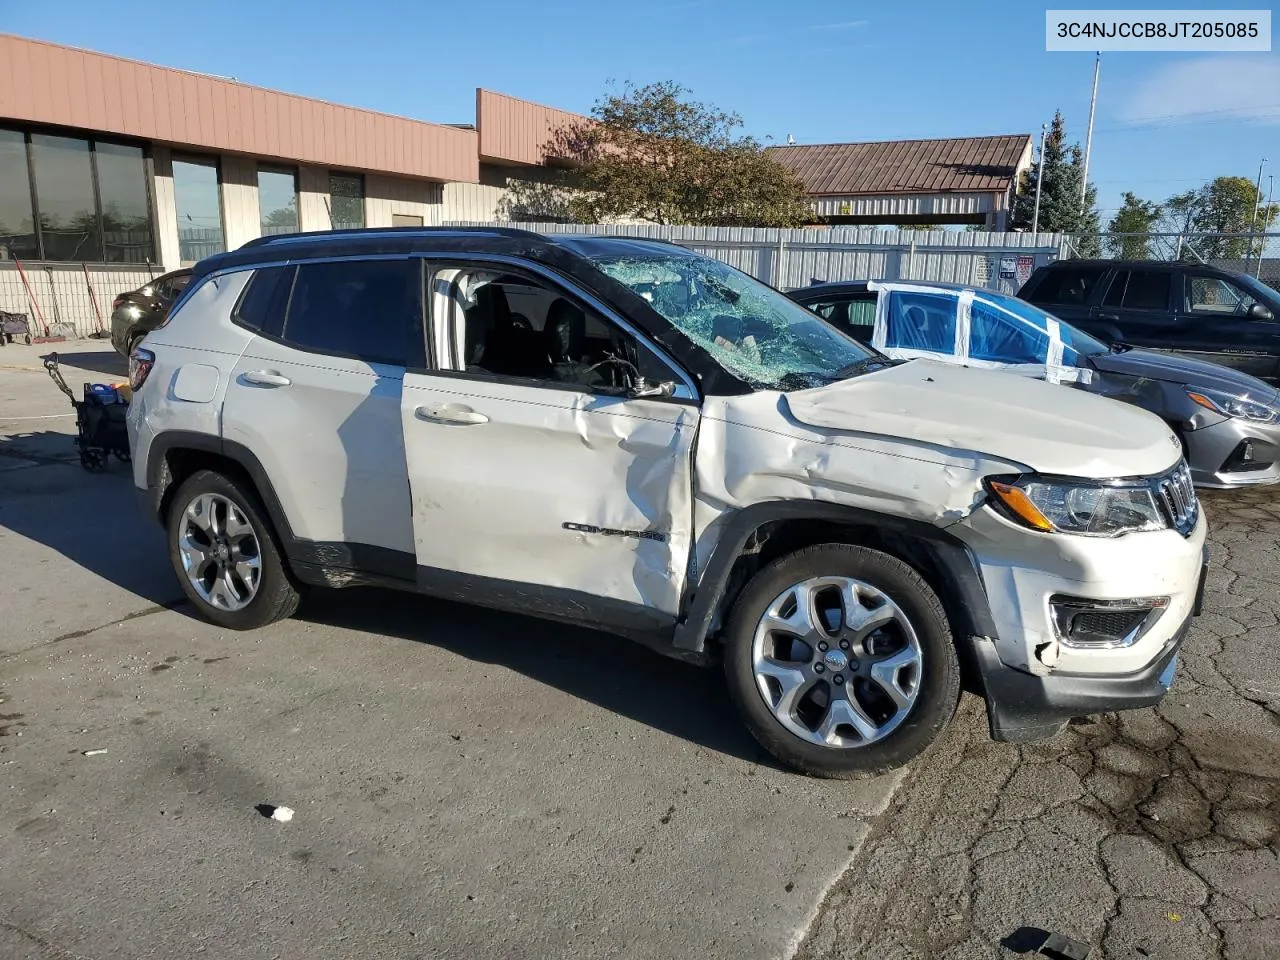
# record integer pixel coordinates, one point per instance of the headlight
(1229, 406)
(1084, 507)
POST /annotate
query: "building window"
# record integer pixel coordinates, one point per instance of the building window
(346, 201)
(89, 199)
(196, 198)
(277, 201)
(126, 210)
(64, 196)
(17, 225)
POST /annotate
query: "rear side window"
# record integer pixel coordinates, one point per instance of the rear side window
(1069, 285)
(855, 317)
(1140, 290)
(370, 310)
(262, 305)
(921, 321)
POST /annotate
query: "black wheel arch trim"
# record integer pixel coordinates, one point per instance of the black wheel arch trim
(965, 599)
(159, 479)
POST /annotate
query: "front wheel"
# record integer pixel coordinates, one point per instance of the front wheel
(225, 555)
(841, 662)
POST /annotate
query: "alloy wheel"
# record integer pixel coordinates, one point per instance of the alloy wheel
(220, 552)
(837, 661)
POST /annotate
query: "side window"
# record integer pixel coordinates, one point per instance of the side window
(366, 309)
(1000, 337)
(1115, 292)
(512, 326)
(1215, 297)
(1148, 290)
(856, 317)
(264, 300)
(921, 321)
(1067, 285)
(178, 284)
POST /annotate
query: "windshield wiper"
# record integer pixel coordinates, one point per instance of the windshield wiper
(865, 365)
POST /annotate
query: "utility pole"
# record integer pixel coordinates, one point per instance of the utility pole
(1088, 139)
(1271, 189)
(1035, 217)
(1253, 218)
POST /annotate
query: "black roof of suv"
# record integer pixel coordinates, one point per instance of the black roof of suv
(567, 254)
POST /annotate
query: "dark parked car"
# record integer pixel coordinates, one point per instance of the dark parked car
(1187, 308)
(136, 313)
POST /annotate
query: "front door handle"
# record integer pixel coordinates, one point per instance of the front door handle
(1108, 316)
(456, 414)
(265, 378)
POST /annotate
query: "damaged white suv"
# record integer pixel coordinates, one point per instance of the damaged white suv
(626, 434)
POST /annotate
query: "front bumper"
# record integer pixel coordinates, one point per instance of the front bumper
(1022, 706)
(1212, 453)
(1033, 678)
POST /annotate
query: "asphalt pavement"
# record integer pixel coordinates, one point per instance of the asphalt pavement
(474, 784)
(465, 783)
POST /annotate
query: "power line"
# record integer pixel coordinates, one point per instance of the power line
(1202, 113)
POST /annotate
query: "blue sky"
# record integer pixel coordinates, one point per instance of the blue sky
(820, 70)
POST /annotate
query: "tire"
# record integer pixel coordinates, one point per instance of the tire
(926, 668)
(257, 602)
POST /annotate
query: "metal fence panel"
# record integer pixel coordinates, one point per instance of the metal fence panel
(74, 293)
(795, 258)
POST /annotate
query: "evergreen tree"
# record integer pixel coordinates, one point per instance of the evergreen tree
(1060, 208)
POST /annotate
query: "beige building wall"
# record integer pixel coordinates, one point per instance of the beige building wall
(386, 198)
(313, 198)
(164, 207)
(472, 201)
(241, 220)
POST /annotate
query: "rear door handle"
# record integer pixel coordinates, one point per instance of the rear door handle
(265, 378)
(457, 414)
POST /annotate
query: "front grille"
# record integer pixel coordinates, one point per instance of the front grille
(1177, 498)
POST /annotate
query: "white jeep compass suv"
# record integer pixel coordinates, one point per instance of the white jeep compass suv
(626, 434)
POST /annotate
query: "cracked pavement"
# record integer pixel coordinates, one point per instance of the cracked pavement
(1146, 834)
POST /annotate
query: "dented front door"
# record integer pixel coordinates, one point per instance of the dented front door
(536, 484)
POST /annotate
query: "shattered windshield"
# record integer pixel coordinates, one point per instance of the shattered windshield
(754, 332)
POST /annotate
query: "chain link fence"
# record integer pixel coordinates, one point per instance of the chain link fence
(1257, 254)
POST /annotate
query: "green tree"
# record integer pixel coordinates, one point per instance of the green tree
(652, 153)
(1061, 210)
(1130, 227)
(1223, 208)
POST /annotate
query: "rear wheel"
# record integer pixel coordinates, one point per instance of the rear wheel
(225, 555)
(841, 661)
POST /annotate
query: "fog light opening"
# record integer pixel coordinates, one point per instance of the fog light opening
(1104, 624)
(1245, 459)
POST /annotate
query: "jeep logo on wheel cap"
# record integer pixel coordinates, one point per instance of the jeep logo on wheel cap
(835, 660)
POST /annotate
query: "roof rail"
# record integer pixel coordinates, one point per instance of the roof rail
(318, 235)
(627, 236)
